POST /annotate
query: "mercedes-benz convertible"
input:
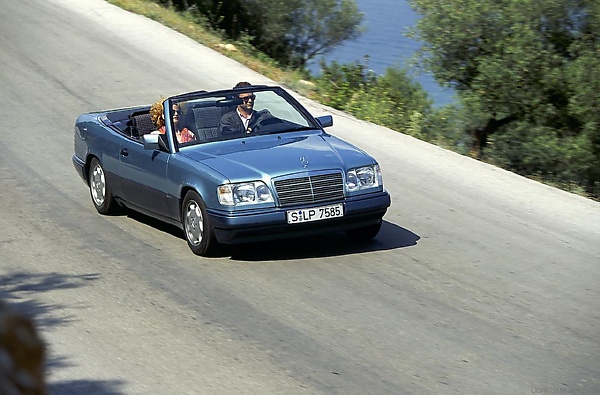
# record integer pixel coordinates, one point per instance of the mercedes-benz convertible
(255, 165)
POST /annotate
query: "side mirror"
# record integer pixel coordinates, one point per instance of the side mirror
(153, 142)
(150, 142)
(325, 121)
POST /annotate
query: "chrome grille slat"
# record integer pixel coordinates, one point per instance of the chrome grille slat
(310, 189)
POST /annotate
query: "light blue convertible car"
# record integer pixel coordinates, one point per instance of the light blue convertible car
(224, 178)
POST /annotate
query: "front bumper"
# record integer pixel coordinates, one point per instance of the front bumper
(359, 211)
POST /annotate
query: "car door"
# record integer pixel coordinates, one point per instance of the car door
(143, 176)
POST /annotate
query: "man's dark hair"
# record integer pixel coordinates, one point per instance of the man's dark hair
(242, 84)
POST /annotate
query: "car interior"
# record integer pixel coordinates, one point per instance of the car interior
(201, 116)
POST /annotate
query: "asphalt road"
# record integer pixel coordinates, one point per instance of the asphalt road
(480, 282)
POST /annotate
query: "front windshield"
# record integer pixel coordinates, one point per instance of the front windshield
(230, 115)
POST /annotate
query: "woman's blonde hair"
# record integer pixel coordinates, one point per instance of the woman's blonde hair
(157, 113)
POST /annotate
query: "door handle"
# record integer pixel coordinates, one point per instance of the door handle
(124, 152)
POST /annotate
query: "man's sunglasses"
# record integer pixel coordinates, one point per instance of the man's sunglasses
(247, 98)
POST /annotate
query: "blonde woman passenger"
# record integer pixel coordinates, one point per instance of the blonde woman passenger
(157, 114)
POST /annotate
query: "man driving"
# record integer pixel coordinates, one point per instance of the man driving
(244, 118)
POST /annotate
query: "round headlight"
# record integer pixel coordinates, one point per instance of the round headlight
(366, 176)
(263, 193)
(245, 193)
(351, 181)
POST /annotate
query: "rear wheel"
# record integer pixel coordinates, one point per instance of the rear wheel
(100, 190)
(365, 233)
(196, 225)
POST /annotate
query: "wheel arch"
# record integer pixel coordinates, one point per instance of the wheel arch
(203, 188)
(185, 190)
(86, 167)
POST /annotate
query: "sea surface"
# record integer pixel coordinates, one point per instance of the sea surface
(385, 43)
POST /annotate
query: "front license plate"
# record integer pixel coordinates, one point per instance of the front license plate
(315, 214)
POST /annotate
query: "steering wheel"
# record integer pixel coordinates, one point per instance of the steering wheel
(263, 123)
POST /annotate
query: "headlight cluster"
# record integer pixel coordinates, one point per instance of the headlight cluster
(244, 193)
(363, 178)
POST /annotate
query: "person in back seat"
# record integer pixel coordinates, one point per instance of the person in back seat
(244, 118)
(157, 113)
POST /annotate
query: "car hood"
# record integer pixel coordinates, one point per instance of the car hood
(262, 157)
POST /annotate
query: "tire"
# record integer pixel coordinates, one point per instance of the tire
(365, 233)
(196, 225)
(100, 190)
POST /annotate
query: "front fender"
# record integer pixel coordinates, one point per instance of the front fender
(185, 174)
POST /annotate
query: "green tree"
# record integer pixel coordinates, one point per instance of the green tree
(393, 99)
(296, 31)
(521, 65)
(292, 32)
(229, 17)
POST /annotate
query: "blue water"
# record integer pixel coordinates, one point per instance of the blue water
(386, 44)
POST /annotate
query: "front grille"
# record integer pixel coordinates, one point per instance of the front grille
(310, 189)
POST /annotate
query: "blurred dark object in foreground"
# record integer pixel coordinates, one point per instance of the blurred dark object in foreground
(22, 354)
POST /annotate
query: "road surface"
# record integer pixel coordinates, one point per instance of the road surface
(480, 282)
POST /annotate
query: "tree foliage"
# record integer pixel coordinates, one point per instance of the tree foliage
(290, 31)
(526, 69)
(303, 29)
(393, 99)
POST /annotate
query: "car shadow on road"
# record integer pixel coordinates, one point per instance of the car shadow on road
(390, 237)
(22, 292)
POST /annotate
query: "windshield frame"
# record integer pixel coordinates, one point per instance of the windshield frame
(290, 115)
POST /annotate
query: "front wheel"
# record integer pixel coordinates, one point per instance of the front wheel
(196, 225)
(365, 233)
(100, 189)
